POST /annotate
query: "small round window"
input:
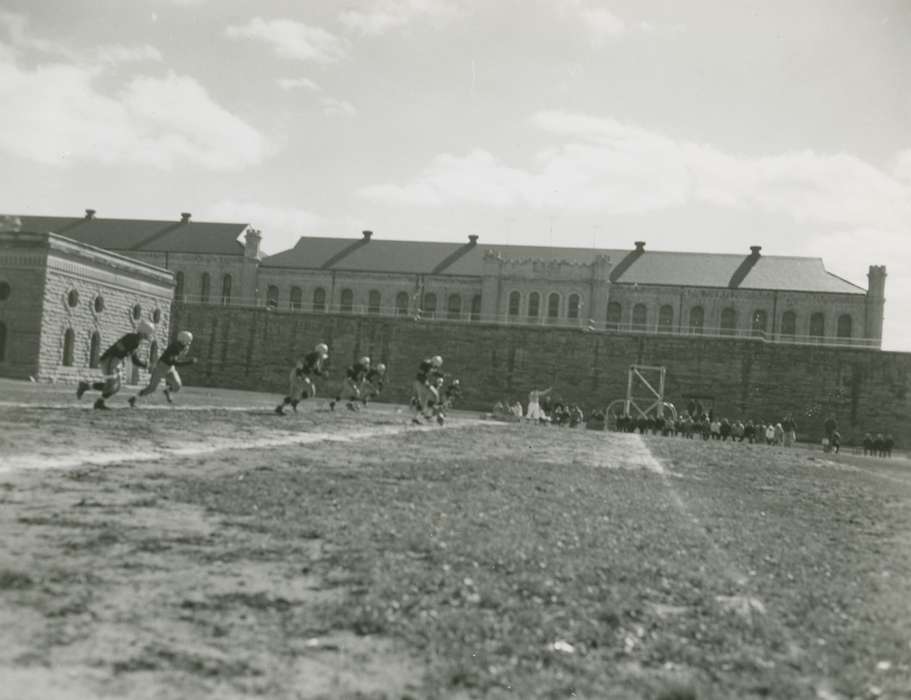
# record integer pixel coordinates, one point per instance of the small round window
(72, 297)
(99, 304)
(156, 315)
(137, 312)
(4, 291)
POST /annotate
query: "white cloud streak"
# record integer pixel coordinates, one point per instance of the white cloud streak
(377, 17)
(63, 118)
(333, 107)
(291, 39)
(294, 83)
(615, 168)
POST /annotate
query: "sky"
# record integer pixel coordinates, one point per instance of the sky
(705, 125)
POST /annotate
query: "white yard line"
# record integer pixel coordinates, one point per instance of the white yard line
(85, 458)
(744, 603)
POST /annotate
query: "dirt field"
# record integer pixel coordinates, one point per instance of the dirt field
(216, 550)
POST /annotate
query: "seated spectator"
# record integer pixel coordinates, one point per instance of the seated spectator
(517, 409)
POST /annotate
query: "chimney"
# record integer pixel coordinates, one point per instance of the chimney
(89, 214)
(367, 235)
(473, 239)
(640, 246)
(754, 250)
(185, 217)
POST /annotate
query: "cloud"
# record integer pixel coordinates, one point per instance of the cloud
(116, 54)
(333, 107)
(604, 165)
(902, 167)
(292, 83)
(381, 16)
(290, 39)
(281, 226)
(61, 117)
(602, 23)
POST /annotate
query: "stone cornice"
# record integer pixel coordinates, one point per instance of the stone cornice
(63, 246)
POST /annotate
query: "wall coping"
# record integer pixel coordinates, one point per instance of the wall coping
(55, 243)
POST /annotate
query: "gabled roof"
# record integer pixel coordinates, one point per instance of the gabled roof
(144, 234)
(770, 272)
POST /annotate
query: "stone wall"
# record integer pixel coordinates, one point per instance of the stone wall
(63, 294)
(750, 378)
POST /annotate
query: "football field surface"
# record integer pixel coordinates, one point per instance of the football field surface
(213, 549)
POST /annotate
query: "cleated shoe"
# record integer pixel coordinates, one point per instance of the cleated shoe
(332, 405)
(132, 402)
(294, 406)
(351, 406)
(416, 421)
(441, 419)
(167, 395)
(101, 406)
(280, 410)
(81, 388)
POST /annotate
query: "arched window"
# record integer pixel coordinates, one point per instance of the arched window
(204, 288)
(614, 314)
(515, 301)
(156, 316)
(72, 298)
(153, 354)
(789, 323)
(817, 325)
(136, 312)
(666, 319)
(476, 307)
(760, 322)
(347, 301)
(69, 345)
(373, 301)
(640, 317)
(697, 320)
(94, 349)
(319, 299)
(844, 326)
(401, 304)
(430, 305)
(272, 297)
(553, 306)
(573, 309)
(534, 303)
(728, 321)
(454, 307)
(5, 290)
(295, 298)
(226, 290)
(2, 341)
(99, 304)
(178, 288)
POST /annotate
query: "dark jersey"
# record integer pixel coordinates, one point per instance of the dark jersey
(312, 364)
(171, 353)
(453, 391)
(357, 372)
(377, 378)
(427, 372)
(123, 348)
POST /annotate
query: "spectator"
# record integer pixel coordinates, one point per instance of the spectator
(790, 430)
(779, 434)
(888, 444)
(770, 434)
(868, 444)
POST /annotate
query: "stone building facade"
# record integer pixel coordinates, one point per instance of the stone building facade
(62, 303)
(777, 298)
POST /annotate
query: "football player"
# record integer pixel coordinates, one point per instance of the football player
(111, 363)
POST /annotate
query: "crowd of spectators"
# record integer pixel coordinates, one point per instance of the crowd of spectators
(709, 427)
(543, 409)
(878, 445)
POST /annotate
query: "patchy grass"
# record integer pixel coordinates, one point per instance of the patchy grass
(490, 562)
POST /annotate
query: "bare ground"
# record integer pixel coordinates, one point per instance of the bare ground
(218, 550)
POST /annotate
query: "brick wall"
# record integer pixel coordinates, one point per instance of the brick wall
(866, 389)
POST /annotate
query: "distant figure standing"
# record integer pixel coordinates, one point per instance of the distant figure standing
(831, 427)
(535, 412)
(790, 430)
